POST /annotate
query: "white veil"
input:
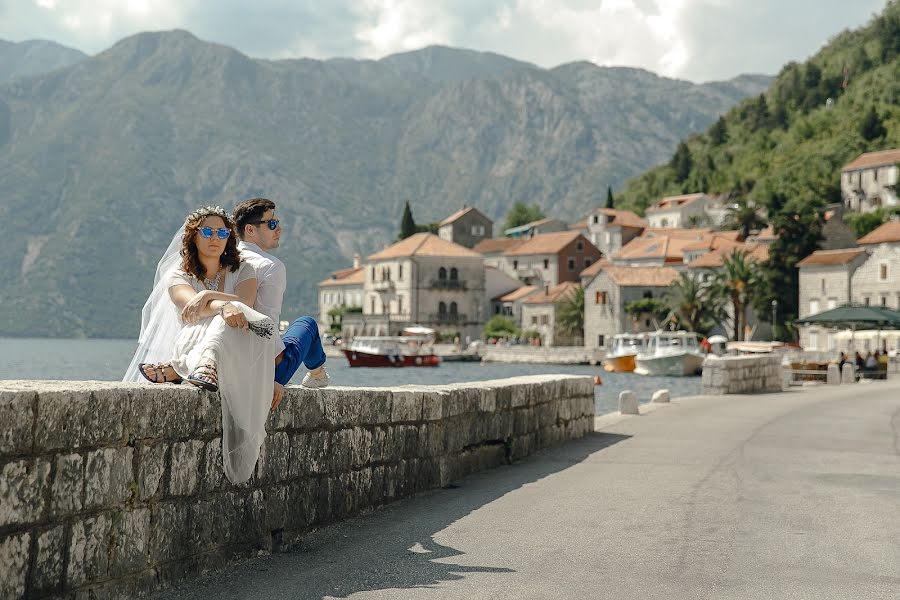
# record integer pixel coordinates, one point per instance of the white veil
(159, 318)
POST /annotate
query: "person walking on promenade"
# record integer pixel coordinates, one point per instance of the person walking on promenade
(260, 232)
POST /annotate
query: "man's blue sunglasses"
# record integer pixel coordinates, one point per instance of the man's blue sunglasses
(207, 232)
(273, 223)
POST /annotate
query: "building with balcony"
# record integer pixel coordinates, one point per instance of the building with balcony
(466, 227)
(870, 181)
(422, 280)
(549, 259)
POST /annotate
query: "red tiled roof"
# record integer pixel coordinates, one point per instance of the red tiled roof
(556, 294)
(670, 248)
(670, 202)
(517, 294)
(349, 276)
(716, 258)
(424, 244)
(823, 258)
(458, 214)
(545, 243)
(595, 268)
(642, 276)
(497, 245)
(624, 218)
(874, 159)
(886, 234)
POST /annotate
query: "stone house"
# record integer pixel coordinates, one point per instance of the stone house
(826, 282)
(540, 312)
(529, 230)
(870, 181)
(466, 227)
(610, 229)
(497, 284)
(494, 250)
(549, 259)
(608, 293)
(422, 280)
(877, 281)
(660, 247)
(344, 289)
(678, 212)
(510, 304)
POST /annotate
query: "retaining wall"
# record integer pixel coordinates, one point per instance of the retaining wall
(559, 355)
(111, 490)
(742, 374)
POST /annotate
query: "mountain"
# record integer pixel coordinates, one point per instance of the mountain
(34, 57)
(101, 160)
(792, 140)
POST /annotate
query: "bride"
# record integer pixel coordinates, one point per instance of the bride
(198, 325)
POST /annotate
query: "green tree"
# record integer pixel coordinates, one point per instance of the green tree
(610, 202)
(743, 215)
(570, 314)
(872, 127)
(522, 213)
(407, 224)
(735, 282)
(652, 307)
(682, 162)
(694, 303)
(500, 326)
(718, 133)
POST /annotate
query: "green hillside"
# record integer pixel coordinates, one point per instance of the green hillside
(794, 139)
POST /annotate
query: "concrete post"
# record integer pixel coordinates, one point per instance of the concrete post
(628, 404)
(834, 375)
(848, 374)
(660, 396)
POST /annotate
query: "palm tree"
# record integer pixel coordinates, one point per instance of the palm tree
(735, 282)
(570, 314)
(694, 303)
(742, 215)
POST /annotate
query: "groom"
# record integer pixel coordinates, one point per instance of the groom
(260, 232)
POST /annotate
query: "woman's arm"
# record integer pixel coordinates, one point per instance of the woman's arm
(245, 293)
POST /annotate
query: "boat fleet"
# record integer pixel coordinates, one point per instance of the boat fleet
(671, 353)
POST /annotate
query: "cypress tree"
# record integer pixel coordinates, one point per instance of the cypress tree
(718, 133)
(682, 162)
(407, 224)
(609, 197)
(871, 127)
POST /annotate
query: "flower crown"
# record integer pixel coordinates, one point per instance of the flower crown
(208, 211)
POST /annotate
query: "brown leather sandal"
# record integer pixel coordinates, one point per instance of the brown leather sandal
(159, 373)
(205, 376)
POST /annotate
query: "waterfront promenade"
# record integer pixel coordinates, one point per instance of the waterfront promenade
(790, 495)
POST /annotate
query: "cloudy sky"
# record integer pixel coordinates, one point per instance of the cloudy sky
(698, 40)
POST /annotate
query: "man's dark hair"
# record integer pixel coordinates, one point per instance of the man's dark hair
(250, 211)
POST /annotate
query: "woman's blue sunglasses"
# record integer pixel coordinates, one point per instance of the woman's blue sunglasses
(207, 232)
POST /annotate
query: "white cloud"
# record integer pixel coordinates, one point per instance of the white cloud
(693, 39)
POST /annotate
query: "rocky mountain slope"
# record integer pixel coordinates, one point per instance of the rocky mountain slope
(34, 57)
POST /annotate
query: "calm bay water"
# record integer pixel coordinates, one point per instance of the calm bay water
(106, 360)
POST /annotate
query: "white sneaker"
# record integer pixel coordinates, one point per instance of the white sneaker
(315, 383)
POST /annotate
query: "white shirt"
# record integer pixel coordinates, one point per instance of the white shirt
(271, 279)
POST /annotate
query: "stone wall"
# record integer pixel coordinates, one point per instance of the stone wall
(109, 490)
(742, 374)
(557, 355)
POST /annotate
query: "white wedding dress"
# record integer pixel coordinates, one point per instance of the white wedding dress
(245, 360)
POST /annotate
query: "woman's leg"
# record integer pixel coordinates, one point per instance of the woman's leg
(302, 345)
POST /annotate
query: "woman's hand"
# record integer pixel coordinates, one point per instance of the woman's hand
(191, 311)
(234, 317)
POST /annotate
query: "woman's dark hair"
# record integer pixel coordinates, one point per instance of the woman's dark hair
(249, 211)
(190, 259)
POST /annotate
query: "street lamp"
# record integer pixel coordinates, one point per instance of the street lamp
(774, 312)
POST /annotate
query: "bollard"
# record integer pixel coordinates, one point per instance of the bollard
(848, 373)
(833, 377)
(660, 396)
(628, 404)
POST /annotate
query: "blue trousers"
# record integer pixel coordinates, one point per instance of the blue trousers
(301, 345)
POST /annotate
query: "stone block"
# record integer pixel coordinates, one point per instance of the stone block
(406, 406)
(274, 460)
(361, 450)
(546, 414)
(341, 450)
(48, 568)
(433, 404)
(577, 387)
(22, 487)
(628, 403)
(108, 477)
(170, 533)
(456, 434)
(67, 490)
(459, 401)
(17, 419)
(502, 398)
(61, 417)
(522, 446)
(379, 437)
(522, 421)
(375, 407)
(131, 535)
(105, 416)
(212, 471)
(307, 408)
(184, 467)
(208, 420)
(89, 550)
(523, 394)
(660, 396)
(14, 553)
(833, 375)
(487, 399)
(299, 460)
(319, 456)
(848, 373)
(342, 408)
(151, 464)
(168, 412)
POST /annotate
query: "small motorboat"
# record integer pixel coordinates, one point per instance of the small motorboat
(391, 351)
(621, 359)
(672, 353)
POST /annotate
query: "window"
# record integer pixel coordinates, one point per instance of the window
(647, 294)
(829, 339)
(571, 263)
(372, 305)
(579, 246)
(587, 263)
(823, 285)
(600, 298)
(477, 229)
(883, 300)
(596, 219)
(373, 273)
(601, 341)
(546, 264)
(442, 273)
(832, 303)
(515, 264)
(454, 274)
(442, 308)
(545, 320)
(399, 304)
(453, 308)
(867, 301)
(882, 272)
(496, 309)
(813, 307)
(534, 320)
(813, 340)
(607, 238)
(399, 272)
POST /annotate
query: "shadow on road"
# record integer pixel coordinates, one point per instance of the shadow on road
(390, 548)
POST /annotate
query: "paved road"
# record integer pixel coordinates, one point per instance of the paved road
(793, 495)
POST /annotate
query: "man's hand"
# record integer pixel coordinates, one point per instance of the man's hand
(191, 312)
(278, 396)
(234, 317)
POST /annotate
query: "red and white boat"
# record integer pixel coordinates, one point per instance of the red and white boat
(396, 351)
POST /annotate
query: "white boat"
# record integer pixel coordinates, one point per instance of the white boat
(672, 353)
(624, 351)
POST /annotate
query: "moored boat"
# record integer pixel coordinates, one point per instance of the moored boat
(672, 353)
(391, 351)
(621, 359)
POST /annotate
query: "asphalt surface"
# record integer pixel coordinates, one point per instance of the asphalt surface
(793, 495)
